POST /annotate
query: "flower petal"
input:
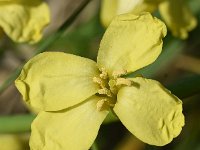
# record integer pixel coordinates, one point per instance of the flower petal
(145, 7)
(73, 129)
(150, 112)
(23, 20)
(112, 8)
(178, 17)
(54, 80)
(108, 11)
(126, 6)
(137, 6)
(131, 42)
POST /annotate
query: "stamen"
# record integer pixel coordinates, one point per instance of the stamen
(112, 85)
(105, 91)
(119, 73)
(104, 104)
(97, 80)
(101, 104)
(123, 81)
(104, 74)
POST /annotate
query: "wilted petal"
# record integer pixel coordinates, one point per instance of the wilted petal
(178, 17)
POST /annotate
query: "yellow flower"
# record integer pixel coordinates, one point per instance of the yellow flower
(23, 20)
(175, 13)
(75, 94)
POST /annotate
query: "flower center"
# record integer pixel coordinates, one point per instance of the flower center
(109, 87)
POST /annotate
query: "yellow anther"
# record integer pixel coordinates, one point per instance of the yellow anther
(104, 104)
(112, 85)
(97, 80)
(104, 74)
(123, 81)
(101, 104)
(119, 73)
(102, 69)
(105, 91)
(111, 105)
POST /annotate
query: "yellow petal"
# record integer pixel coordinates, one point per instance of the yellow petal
(178, 17)
(131, 42)
(136, 6)
(150, 112)
(55, 80)
(112, 8)
(155, 2)
(126, 6)
(73, 129)
(24, 20)
(144, 7)
(108, 11)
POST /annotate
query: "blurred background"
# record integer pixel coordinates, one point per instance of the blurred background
(178, 68)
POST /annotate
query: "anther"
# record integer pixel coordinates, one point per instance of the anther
(123, 81)
(112, 85)
(104, 74)
(101, 104)
(105, 91)
(104, 104)
(97, 80)
(119, 73)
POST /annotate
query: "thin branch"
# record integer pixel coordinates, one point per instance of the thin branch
(16, 124)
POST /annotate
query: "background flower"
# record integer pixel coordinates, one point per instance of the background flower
(23, 21)
(176, 13)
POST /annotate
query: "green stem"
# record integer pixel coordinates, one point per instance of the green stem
(10, 79)
(46, 43)
(16, 124)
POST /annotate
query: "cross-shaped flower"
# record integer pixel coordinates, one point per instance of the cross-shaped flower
(75, 94)
(23, 20)
(176, 13)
